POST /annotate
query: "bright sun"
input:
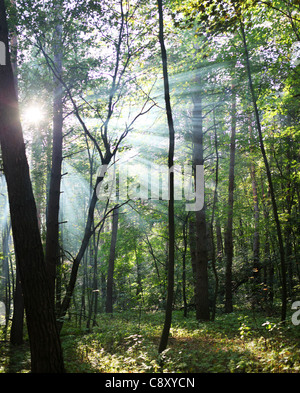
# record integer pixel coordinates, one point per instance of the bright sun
(33, 114)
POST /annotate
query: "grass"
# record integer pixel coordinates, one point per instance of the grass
(127, 343)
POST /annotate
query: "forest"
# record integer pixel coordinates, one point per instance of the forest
(149, 187)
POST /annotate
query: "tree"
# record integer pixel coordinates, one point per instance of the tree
(269, 177)
(111, 261)
(16, 332)
(103, 144)
(219, 17)
(5, 294)
(256, 242)
(171, 241)
(228, 236)
(46, 352)
(201, 255)
(52, 224)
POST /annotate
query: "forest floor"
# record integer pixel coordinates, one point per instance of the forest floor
(127, 342)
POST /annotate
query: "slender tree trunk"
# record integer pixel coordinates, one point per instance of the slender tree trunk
(111, 262)
(84, 244)
(93, 306)
(201, 255)
(192, 241)
(288, 232)
(268, 262)
(156, 261)
(16, 331)
(228, 234)
(184, 234)
(95, 278)
(202, 300)
(46, 352)
(139, 288)
(256, 241)
(270, 182)
(171, 224)
(52, 236)
(5, 276)
(215, 258)
(82, 313)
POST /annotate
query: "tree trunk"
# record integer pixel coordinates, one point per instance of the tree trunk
(16, 331)
(201, 255)
(82, 313)
(46, 352)
(139, 288)
(95, 293)
(170, 291)
(268, 262)
(270, 182)
(111, 262)
(214, 257)
(184, 234)
(84, 244)
(192, 241)
(52, 236)
(256, 242)
(228, 235)
(5, 268)
(202, 300)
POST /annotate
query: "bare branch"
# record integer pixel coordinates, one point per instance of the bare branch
(52, 66)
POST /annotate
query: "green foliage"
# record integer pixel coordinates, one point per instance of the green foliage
(127, 342)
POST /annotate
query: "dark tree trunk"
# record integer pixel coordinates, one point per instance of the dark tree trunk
(184, 234)
(84, 244)
(192, 240)
(268, 262)
(93, 306)
(16, 331)
(256, 242)
(52, 236)
(202, 300)
(46, 352)
(5, 279)
(228, 235)
(215, 258)
(111, 262)
(201, 255)
(139, 288)
(170, 291)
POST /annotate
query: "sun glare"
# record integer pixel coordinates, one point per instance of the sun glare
(33, 114)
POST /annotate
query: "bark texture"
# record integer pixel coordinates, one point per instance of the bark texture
(46, 353)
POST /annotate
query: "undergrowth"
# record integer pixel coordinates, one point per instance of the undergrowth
(128, 343)
(235, 342)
